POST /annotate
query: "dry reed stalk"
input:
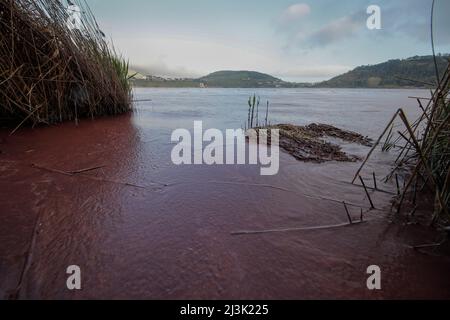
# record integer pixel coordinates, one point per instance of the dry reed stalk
(426, 153)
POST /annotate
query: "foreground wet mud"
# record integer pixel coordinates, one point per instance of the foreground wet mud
(140, 227)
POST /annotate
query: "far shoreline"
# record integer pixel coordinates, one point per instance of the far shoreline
(259, 88)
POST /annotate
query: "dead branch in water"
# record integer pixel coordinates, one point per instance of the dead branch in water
(348, 213)
(367, 192)
(87, 170)
(328, 227)
(291, 191)
(70, 174)
(317, 228)
(375, 187)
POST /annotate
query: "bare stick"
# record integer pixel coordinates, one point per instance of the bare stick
(421, 98)
(65, 173)
(398, 184)
(367, 192)
(290, 191)
(336, 226)
(86, 170)
(375, 182)
(433, 245)
(348, 213)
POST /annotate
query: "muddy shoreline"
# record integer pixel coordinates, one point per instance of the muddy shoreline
(140, 227)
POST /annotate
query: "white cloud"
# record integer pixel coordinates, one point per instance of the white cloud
(337, 30)
(181, 57)
(191, 57)
(295, 12)
(300, 31)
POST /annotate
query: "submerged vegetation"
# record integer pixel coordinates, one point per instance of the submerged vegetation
(52, 70)
(305, 143)
(312, 143)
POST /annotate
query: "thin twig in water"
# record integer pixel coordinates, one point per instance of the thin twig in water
(432, 245)
(95, 178)
(367, 192)
(397, 184)
(86, 170)
(375, 187)
(335, 226)
(348, 214)
(290, 191)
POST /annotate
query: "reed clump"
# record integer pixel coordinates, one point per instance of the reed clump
(423, 161)
(55, 64)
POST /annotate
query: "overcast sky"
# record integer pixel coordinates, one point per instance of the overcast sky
(296, 41)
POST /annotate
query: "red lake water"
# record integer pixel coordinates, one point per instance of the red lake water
(141, 227)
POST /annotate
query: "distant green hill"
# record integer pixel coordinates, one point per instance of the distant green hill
(412, 72)
(241, 79)
(415, 72)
